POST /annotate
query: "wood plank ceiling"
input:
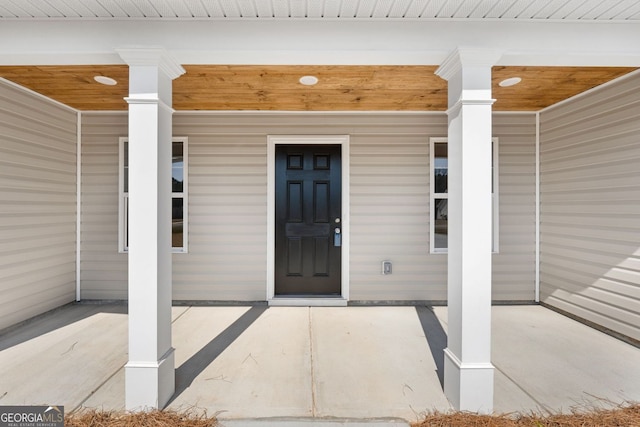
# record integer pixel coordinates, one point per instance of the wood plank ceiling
(340, 88)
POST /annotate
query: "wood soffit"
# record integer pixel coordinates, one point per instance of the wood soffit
(340, 88)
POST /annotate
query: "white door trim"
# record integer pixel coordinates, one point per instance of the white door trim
(272, 141)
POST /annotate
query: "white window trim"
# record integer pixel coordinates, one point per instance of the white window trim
(184, 195)
(123, 198)
(495, 195)
(122, 202)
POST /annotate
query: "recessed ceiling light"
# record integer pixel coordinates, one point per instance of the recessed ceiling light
(510, 82)
(105, 80)
(308, 80)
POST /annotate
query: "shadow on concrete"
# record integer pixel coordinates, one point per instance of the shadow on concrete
(52, 320)
(436, 338)
(190, 369)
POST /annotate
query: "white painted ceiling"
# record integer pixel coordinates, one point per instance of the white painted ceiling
(562, 10)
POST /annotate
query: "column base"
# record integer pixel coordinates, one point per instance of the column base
(150, 385)
(468, 386)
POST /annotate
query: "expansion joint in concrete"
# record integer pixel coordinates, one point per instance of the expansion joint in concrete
(313, 376)
(532, 397)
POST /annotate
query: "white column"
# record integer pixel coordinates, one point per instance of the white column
(150, 372)
(468, 372)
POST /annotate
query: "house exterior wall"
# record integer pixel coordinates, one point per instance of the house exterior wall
(590, 206)
(38, 143)
(389, 194)
(514, 264)
(103, 270)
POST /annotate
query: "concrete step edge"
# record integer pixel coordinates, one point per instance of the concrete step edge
(320, 422)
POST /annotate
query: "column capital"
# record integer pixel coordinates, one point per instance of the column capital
(454, 109)
(152, 56)
(463, 57)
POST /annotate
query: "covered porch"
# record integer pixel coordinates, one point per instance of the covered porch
(380, 363)
(550, 216)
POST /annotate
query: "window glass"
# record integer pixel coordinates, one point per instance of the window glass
(440, 167)
(441, 230)
(177, 222)
(125, 148)
(177, 168)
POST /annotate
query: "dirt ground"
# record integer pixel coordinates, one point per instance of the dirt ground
(627, 416)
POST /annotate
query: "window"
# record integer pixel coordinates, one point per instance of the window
(178, 195)
(439, 194)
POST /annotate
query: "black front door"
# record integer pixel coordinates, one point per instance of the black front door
(308, 220)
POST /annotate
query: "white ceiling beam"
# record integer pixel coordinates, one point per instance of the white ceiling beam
(290, 42)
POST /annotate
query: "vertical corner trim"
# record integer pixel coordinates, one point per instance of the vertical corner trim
(537, 236)
(78, 203)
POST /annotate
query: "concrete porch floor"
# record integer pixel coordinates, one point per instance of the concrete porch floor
(360, 363)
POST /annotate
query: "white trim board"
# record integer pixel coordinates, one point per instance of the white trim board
(285, 41)
(272, 141)
(537, 196)
(78, 206)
